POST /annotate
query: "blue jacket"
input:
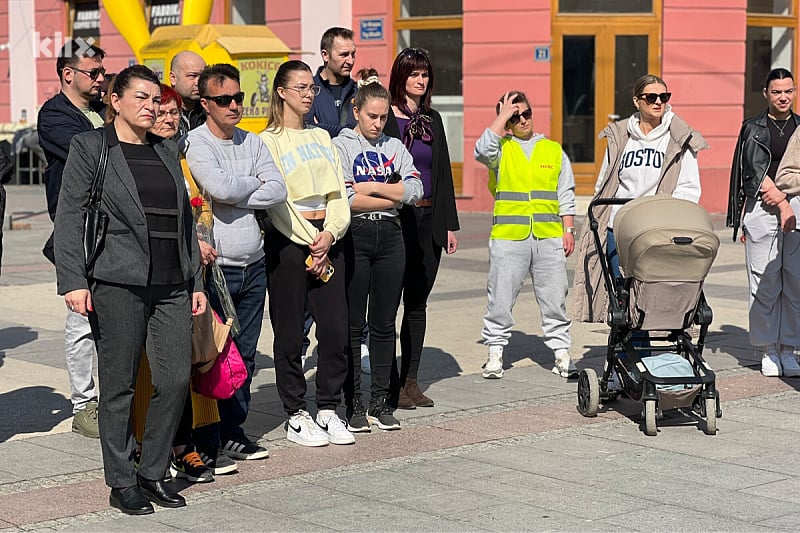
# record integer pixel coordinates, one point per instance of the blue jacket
(323, 111)
(59, 121)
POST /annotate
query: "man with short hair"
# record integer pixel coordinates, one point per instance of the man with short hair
(332, 109)
(184, 72)
(72, 111)
(235, 168)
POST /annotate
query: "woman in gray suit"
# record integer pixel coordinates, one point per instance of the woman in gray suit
(142, 288)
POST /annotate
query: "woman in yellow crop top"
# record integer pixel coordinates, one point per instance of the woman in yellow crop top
(301, 252)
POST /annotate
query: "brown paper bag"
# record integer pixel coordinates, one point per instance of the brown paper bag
(208, 339)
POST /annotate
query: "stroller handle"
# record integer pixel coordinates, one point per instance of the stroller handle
(603, 201)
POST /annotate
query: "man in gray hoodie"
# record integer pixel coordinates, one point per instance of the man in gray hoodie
(235, 169)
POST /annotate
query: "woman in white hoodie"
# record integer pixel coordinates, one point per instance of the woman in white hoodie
(653, 151)
(380, 175)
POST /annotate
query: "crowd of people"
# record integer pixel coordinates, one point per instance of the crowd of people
(344, 201)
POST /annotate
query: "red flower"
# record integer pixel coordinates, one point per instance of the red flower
(197, 201)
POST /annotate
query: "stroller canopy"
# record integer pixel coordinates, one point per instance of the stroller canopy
(661, 238)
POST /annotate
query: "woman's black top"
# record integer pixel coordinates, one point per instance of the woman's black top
(778, 139)
(159, 199)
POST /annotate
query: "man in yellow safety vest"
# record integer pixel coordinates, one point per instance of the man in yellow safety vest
(533, 230)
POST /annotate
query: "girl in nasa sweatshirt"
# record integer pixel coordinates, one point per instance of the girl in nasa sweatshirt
(379, 174)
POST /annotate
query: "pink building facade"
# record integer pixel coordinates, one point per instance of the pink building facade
(575, 61)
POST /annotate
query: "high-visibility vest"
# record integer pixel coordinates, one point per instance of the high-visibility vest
(526, 195)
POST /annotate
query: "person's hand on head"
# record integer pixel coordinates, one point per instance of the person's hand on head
(508, 106)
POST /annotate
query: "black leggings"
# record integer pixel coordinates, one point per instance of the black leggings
(422, 265)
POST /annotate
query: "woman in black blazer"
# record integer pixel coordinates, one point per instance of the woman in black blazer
(142, 288)
(430, 225)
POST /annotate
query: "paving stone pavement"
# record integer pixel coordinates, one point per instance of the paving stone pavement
(493, 455)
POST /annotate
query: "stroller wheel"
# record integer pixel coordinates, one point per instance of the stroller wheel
(711, 416)
(588, 392)
(650, 427)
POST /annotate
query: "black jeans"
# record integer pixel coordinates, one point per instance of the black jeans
(375, 257)
(290, 286)
(422, 265)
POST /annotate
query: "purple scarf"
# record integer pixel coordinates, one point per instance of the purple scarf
(418, 127)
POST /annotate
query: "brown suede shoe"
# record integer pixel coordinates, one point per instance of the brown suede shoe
(404, 401)
(412, 391)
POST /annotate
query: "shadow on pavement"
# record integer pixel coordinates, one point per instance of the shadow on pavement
(32, 410)
(14, 337)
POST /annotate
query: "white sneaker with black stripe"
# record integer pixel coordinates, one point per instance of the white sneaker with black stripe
(301, 429)
(330, 423)
(241, 447)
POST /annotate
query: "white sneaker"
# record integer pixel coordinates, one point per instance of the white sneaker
(493, 367)
(301, 429)
(564, 366)
(365, 368)
(771, 365)
(334, 427)
(789, 365)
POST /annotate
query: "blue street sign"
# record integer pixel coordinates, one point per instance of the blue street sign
(371, 29)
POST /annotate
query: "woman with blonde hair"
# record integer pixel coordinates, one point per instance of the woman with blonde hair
(304, 259)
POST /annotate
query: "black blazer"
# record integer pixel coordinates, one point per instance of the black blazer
(445, 214)
(125, 255)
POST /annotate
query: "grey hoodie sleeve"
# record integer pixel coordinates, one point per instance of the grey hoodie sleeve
(412, 185)
(347, 167)
(487, 149)
(566, 187)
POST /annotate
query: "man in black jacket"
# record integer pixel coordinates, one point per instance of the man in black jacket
(332, 108)
(73, 110)
(6, 169)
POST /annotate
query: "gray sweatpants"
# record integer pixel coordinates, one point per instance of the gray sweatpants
(510, 262)
(773, 269)
(79, 349)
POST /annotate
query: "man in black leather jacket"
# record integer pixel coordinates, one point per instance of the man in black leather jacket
(755, 203)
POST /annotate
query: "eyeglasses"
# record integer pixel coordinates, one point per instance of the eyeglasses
(174, 113)
(303, 90)
(93, 73)
(224, 100)
(527, 114)
(650, 98)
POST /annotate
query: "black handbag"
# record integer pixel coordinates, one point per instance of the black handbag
(96, 220)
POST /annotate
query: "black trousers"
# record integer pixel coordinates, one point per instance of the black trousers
(375, 257)
(422, 265)
(124, 319)
(290, 286)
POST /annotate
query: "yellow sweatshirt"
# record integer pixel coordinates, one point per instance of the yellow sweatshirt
(310, 166)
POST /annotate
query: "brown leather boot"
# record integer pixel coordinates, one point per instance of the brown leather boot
(415, 394)
(404, 401)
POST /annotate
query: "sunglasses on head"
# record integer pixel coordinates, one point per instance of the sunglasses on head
(527, 114)
(93, 73)
(224, 100)
(650, 98)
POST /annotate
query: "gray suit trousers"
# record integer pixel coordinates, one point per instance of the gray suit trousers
(126, 318)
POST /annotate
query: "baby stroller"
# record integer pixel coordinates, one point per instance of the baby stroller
(666, 247)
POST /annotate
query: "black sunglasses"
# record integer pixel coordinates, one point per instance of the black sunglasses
(527, 114)
(650, 98)
(93, 73)
(224, 100)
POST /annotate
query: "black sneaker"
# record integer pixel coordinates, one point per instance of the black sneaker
(190, 466)
(357, 419)
(240, 447)
(217, 462)
(380, 414)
